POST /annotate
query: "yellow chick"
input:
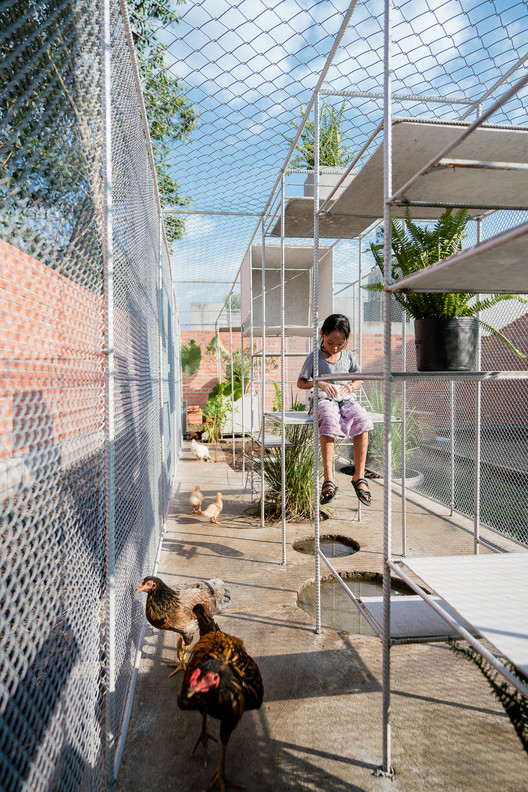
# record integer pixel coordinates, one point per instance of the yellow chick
(195, 499)
(214, 509)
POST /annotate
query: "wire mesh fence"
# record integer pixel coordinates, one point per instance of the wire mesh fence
(65, 676)
(249, 69)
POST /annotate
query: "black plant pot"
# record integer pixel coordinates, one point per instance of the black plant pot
(446, 344)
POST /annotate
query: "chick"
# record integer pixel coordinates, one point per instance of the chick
(195, 499)
(214, 509)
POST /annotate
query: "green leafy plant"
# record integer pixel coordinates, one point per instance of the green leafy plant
(332, 151)
(217, 410)
(295, 406)
(415, 247)
(171, 115)
(514, 703)
(413, 428)
(299, 478)
(191, 357)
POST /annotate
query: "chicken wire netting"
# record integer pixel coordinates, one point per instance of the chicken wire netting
(58, 670)
(248, 69)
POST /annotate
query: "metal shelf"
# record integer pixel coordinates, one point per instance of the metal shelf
(455, 181)
(497, 265)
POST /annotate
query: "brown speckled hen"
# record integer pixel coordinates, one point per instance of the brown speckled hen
(172, 609)
(220, 680)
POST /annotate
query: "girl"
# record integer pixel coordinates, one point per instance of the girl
(339, 414)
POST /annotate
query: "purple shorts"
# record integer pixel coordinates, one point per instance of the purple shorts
(342, 419)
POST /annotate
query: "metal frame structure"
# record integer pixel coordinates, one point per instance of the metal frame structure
(393, 198)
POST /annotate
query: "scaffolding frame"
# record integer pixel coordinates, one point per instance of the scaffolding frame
(392, 198)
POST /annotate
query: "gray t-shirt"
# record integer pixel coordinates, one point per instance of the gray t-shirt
(347, 363)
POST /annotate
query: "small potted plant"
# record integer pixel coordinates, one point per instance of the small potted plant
(445, 323)
(333, 154)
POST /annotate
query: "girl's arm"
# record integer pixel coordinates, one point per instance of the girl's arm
(328, 387)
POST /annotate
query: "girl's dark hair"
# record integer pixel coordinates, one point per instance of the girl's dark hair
(336, 322)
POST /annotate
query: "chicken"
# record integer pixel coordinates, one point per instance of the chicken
(213, 510)
(195, 499)
(200, 451)
(171, 609)
(220, 680)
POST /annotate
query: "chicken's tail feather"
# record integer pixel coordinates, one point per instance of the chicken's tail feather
(220, 592)
(206, 622)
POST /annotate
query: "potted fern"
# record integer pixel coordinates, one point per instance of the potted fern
(333, 154)
(445, 323)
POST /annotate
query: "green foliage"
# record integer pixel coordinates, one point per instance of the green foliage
(413, 427)
(514, 703)
(295, 406)
(171, 115)
(49, 147)
(191, 357)
(216, 345)
(298, 470)
(217, 409)
(415, 247)
(332, 151)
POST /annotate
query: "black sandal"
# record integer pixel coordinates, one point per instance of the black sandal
(362, 493)
(330, 492)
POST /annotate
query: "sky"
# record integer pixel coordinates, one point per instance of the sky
(249, 66)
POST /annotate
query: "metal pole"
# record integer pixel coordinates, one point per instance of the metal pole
(452, 442)
(283, 381)
(242, 380)
(263, 378)
(478, 427)
(160, 373)
(110, 715)
(404, 436)
(387, 407)
(360, 333)
(232, 380)
(315, 300)
(360, 305)
(251, 375)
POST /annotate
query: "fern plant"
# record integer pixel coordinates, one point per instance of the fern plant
(415, 247)
(514, 703)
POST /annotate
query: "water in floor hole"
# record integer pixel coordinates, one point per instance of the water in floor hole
(337, 610)
(331, 546)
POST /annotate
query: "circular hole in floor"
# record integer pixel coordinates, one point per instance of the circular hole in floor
(338, 610)
(331, 546)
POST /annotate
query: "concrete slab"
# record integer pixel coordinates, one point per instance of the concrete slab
(320, 725)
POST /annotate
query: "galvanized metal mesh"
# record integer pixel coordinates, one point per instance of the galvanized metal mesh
(249, 69)
(56, 681)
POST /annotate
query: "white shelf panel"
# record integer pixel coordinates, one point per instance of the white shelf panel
(299, 222)
(496, 265)
(488, 591)
(412, 618)
(273, 331)
(415, 144)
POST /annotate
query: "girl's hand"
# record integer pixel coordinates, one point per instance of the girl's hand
(329, 388)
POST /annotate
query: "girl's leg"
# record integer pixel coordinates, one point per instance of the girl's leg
(327, 452)
(356, 424)
(360, 455)
(328, 431)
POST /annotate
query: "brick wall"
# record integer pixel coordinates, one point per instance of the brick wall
(51, 362)
(196, 388)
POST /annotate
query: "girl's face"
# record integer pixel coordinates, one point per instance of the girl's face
(334, 342)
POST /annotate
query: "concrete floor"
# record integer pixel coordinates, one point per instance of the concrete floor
(320, 726)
